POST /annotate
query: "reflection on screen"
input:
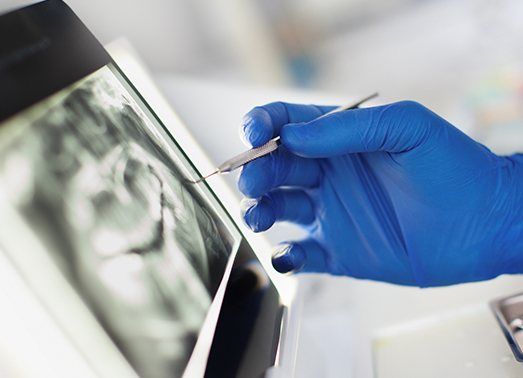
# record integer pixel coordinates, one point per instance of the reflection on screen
(145, 251)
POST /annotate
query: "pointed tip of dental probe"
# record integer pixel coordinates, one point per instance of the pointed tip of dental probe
(204, 177)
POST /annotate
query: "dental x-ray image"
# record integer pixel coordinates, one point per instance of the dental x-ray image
(89, 172)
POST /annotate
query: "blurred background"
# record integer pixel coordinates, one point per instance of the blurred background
(462, 59)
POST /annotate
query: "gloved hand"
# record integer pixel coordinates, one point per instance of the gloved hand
(391, 193)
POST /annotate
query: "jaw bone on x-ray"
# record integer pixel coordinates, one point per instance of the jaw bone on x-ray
(91, 175)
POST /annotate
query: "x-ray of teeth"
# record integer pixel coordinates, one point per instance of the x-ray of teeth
(91, 175)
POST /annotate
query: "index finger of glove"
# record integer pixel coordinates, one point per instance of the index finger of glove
(263, 123)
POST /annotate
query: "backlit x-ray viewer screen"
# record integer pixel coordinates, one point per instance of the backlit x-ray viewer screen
(103, 189)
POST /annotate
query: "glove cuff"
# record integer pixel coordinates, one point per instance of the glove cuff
(514, 235)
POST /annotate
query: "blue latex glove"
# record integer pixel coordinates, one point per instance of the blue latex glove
(391, 193)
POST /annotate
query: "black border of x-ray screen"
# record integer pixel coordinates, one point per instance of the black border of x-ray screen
(43, 49)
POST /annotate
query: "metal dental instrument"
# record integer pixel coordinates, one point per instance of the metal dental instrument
(257, 152)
